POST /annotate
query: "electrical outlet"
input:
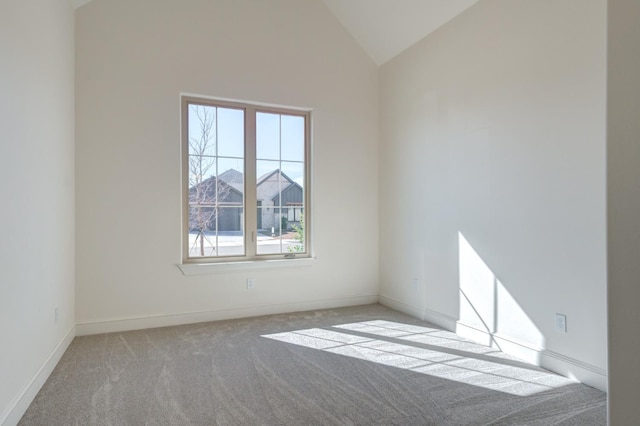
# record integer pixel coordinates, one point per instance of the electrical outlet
(251, 282)
(414, 283)
(561, 323)
(56, 314)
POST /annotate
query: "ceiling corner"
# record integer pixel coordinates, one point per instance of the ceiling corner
(80, 3)
(385, 28)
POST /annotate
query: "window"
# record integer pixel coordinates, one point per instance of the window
(245, 181)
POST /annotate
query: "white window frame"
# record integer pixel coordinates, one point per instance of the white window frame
(250, 182)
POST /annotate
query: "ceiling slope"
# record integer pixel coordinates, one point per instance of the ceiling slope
(384, 28)
(79, 3)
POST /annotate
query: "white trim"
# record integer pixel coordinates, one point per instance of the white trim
(436, 318)
(242, 101)
(250, 112)
(212, 268)
(575, 369)
(19, 405)
(507, 344)
(561, 364)
(553, 361)
(154, 321)
(403, 307)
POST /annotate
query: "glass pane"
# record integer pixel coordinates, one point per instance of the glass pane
(202, 179)
(269, 234)
(295, 240)
(265, 231)
(216, 181)
(269, 214)
(230, 132)
(202, 235)
(292, 138)
(202, 130)
(230, 231)
(281, 205)
(273, 237)
(267, 191)
(268, 182)
(292, 204)
(201, 172)
(216, 232)
(267, 136)
(231, 180)
(293, 173)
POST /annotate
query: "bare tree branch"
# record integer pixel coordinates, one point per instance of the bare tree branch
(206, 191)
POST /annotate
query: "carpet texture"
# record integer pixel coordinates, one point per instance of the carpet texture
(365, 365)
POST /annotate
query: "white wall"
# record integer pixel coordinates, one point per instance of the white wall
(36, 188)
(133, 61)
(623, 188)
(492, 175)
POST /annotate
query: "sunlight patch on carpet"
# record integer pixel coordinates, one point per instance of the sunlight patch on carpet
(427, 351)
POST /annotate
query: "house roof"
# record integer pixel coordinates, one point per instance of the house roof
(262, 179)
(210, 185)
(234, 178)
(268, 187)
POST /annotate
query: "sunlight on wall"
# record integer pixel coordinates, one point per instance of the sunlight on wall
(488, 312)
(429, 351)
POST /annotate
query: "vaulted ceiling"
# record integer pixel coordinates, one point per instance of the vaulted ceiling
(385, 28)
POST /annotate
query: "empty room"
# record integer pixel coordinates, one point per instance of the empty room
(238, 212)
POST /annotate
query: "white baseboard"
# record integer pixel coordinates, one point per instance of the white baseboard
(155, 321)
(441, 320)
(575, 369)
(436, 318)
(506, 344)
(550, 360)
(569, 367)
(19, 406)
(403, 307)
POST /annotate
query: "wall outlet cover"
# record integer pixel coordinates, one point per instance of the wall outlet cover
(561, 323)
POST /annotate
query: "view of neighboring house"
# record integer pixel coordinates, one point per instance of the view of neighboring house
(278, 197)
(272, 206)
(202, 214)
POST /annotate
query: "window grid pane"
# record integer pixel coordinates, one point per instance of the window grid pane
(280, 183)
(216, 198)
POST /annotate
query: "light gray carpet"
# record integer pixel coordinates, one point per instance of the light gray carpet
(364, 365)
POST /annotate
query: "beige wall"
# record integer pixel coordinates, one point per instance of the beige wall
(36, 189)
(133, 61)
(492, 175)
(623, 188)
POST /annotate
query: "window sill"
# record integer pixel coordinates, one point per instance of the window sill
(250, 265)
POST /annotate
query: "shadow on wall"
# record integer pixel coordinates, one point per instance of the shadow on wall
(489, 314)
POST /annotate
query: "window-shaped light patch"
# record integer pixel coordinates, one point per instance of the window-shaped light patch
(427, 351)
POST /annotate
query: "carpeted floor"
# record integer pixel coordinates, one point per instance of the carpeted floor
(365, 365)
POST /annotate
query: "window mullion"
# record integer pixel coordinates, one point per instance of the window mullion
(250, 193)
